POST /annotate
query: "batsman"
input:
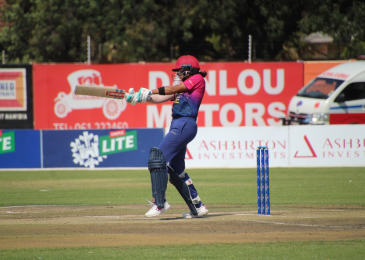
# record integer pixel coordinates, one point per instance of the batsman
(167, 162)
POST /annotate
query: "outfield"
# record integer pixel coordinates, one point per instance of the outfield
(316, 213)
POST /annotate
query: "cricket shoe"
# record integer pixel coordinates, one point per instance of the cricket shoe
(155, 211)
(202, 210)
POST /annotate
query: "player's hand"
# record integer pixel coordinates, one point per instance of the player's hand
(143, 95)
(131, 97)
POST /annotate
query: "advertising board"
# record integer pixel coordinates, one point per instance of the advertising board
(293, 146)
(237, 94)
(20, 149)
(16, 97)
(99, 148)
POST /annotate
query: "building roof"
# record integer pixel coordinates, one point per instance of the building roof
(318, 37)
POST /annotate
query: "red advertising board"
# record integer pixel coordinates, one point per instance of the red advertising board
(237, 94)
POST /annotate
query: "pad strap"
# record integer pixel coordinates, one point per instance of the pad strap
(196, 200)
(189, 181)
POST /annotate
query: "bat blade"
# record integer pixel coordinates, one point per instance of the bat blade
(98, 91)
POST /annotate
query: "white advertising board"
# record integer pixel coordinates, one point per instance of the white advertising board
(332, 145)
(289, 146)
(235, 147)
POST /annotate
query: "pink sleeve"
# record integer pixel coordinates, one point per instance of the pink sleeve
(194, 81)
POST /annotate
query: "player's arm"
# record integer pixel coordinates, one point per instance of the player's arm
(157, 99)
(164, 94)
(170, 90)
(155, 96)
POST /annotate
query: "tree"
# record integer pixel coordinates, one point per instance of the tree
(344, 20)
(162, 30)
(47, 31)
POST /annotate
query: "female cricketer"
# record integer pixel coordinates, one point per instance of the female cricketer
(187, 93)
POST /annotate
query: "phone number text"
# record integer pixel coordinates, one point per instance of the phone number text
(88, 125)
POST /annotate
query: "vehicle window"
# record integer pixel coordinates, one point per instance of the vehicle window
(353, 91)
(320, 88)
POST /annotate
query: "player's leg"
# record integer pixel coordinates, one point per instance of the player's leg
(184, 184)
(182, 131)
(158, 172)
(169, 147)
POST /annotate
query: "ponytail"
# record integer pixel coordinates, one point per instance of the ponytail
(194, 71)
(203, 73)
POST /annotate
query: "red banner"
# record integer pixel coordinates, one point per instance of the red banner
(237, 94)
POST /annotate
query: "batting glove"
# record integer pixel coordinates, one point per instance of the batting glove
(131, 97)
(143, 95)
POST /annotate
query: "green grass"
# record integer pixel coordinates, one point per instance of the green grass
(288, 186)
(353, 249)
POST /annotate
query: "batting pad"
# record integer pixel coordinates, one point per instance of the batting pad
(157, 168)
(183, 189)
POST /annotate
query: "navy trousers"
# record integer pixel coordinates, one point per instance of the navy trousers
(182, 131)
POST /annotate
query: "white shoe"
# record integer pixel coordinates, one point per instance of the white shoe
(155, 211)
(201, 212)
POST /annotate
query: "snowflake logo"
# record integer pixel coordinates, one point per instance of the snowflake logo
(85, 150)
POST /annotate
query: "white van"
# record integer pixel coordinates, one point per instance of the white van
(337, 96)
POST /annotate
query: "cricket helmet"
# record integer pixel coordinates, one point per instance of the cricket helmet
(186, 61)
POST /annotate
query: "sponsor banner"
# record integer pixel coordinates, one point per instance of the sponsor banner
(237, 94)
(235, 147)
(219, 147)
(16, 97)
(20, 149)
(294, 146)
(331, 145)
(99, 148)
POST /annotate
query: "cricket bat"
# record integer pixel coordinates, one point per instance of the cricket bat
(99, 91)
